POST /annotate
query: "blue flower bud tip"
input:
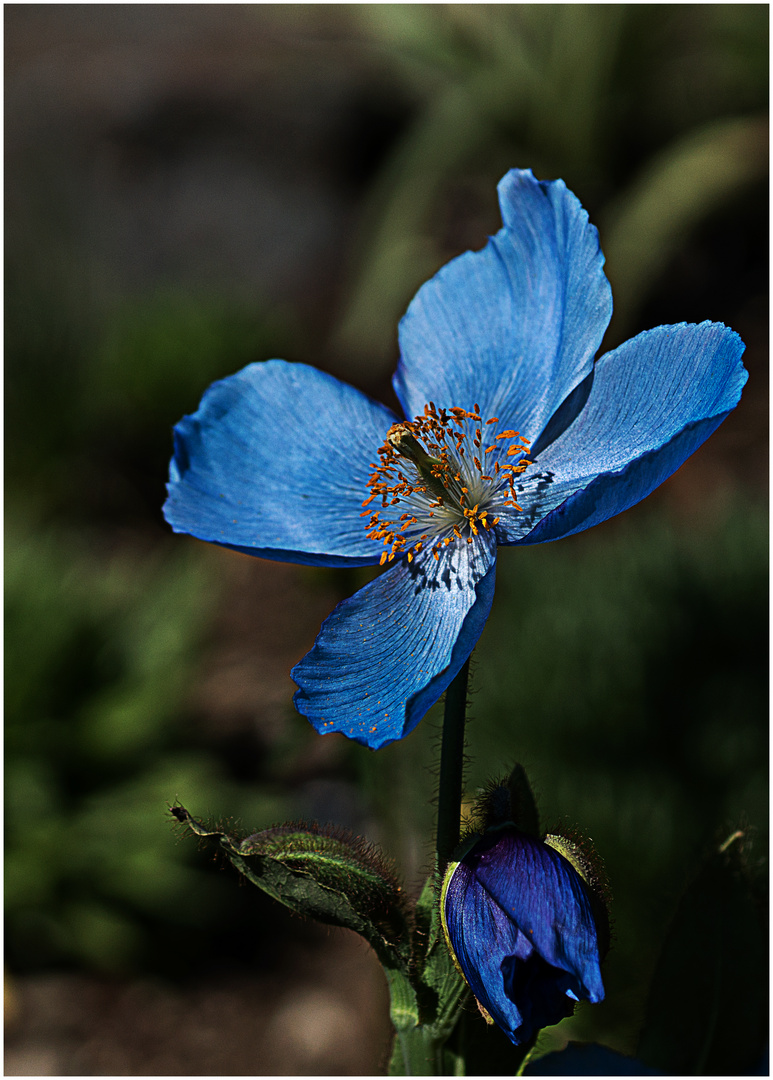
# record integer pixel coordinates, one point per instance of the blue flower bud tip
(519, 921)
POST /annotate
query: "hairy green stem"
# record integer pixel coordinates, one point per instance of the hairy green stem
(449, 809)
(417, 1052)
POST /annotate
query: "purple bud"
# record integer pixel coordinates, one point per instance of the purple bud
(519, 920)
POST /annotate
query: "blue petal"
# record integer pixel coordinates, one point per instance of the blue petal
(275, 462)
(546, 898)
(513, 328)
(385, 655)
(652, 403)
(482, 936)
(519, 990)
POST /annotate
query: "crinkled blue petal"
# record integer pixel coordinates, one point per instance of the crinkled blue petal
(276, 462)
(652, 403)
(514, 327)
(520, 991)
(385, 655)
(546, 898)
(481, 935)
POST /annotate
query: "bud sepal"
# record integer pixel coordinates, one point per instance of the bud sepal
(323, 873)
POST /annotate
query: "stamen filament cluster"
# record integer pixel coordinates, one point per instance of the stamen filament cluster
(432, 468)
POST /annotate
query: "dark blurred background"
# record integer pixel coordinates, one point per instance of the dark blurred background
(191, 188)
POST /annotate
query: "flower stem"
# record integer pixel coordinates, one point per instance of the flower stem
(449, 810)
(417, 1052)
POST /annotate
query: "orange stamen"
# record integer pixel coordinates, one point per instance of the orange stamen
(428, 467)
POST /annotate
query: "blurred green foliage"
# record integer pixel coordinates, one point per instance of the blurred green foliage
(105, 381)
(721, 1031)
(656, 115)
(625, 669)
(105, 621)
(101, 645)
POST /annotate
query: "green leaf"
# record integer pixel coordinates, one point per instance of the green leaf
(326, 874)
(708, 1000)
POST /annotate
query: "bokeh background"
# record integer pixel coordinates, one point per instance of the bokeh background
(191, 188)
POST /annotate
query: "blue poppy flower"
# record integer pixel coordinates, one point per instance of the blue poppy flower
(522, 926)
(512, 435)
